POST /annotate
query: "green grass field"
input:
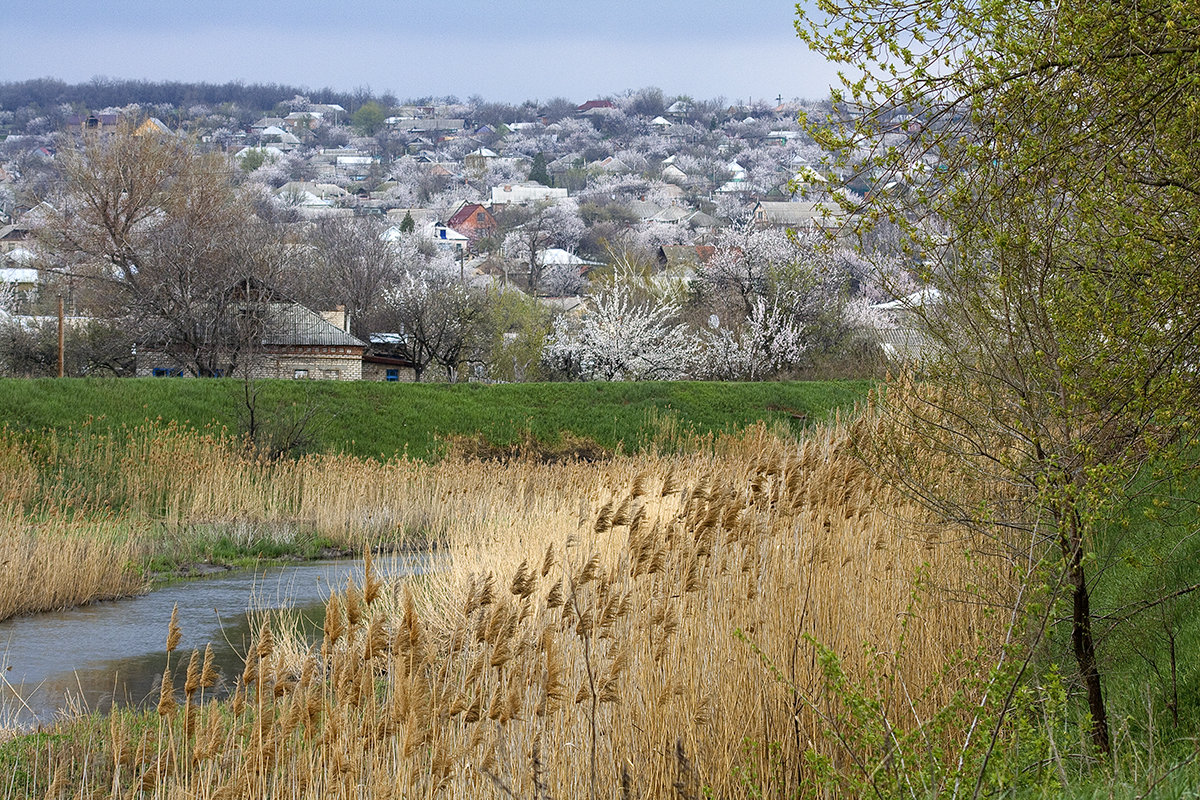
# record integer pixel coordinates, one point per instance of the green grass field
(381, 419)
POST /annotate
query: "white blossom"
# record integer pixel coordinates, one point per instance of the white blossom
(621, 336)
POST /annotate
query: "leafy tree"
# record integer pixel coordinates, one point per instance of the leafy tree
(518, 326)
(1042, 159)
(253, 159)
(368, 119)
(538, 171)
(407, 224)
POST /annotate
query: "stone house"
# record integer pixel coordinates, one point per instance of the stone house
(295, 342)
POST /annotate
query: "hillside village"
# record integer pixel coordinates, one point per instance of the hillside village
(521, 226)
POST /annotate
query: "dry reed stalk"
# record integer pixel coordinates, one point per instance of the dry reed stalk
(631, 613)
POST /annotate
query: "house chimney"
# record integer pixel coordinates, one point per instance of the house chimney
(336, 318)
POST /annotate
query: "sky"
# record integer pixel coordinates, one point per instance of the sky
(503, 51)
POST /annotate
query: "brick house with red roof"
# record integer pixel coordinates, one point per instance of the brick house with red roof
(473, 221)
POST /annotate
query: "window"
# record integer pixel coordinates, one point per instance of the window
(167, 372)
(392, 375)
(300, 374)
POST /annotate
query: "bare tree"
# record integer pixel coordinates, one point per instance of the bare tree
(542, 226)
(433, 319)
(351, 266)
(162, 233)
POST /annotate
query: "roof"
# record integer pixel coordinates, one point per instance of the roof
(292, 324)
(19, 255)
(19, 275)
(918, 299)
(465, 213)
(556, 255)
(798, 213)
(594, 104)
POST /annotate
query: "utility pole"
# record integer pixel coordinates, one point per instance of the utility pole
(60, 336)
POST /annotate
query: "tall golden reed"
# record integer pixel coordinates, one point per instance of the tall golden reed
(583, 638)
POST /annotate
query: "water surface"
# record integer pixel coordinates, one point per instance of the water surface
(92, 656)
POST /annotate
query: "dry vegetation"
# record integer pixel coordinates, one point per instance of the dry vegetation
(583, 641)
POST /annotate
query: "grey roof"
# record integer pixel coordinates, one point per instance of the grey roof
(799, 213)
(903, 343)
(293, 324)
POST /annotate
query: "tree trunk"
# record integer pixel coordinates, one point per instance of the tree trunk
(1082, 640)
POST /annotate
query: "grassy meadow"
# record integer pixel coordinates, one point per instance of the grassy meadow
(381, 420)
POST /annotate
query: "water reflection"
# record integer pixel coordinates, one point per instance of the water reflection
(91, 656)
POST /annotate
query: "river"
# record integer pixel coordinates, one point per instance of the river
(88, 657)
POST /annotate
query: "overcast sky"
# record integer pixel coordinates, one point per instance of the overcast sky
(511, 51)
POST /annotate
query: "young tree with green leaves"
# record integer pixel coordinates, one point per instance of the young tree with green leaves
(1043, 161)
(369, 118)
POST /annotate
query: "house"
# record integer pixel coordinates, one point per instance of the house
(152, 125)
(388, 368)
(296, 342)
(679, 109)
(610, 165)
(434, 125)
(12, 236)
(443, 238)
(781, 136)
(264, 123)
(354, 167)
(270, 154)
(594, 106)
(523, 193)
(277, 136)
(473, 221)
(420, 217)
(556, 256)
(673, 174)
(96, 123)
(22, 281)
(328, 194)
(800, 215)
(299, 121)
(896, 325)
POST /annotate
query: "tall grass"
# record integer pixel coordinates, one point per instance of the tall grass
(650, 626)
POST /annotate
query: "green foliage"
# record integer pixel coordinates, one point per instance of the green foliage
(368, 119)
(253, 159)
(407, 224)
(518, 326)
(384, 419)
(1042, 162)
(538, 171)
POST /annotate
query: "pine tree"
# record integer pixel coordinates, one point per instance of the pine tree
(538, 171)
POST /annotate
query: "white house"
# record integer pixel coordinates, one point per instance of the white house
(527, 192)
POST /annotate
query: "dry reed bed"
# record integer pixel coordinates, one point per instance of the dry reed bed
(582, 642)
(59, 563)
